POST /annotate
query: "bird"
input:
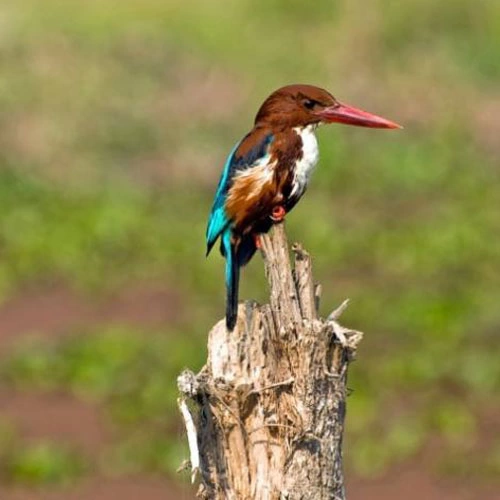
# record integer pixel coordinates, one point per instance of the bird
(268, 171)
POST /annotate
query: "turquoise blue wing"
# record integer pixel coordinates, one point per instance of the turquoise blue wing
(218, 220)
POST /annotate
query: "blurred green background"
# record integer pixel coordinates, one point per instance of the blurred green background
(115, 120)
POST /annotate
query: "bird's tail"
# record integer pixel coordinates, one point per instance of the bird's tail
(232, 279)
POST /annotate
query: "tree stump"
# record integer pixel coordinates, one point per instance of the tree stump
(265, 417)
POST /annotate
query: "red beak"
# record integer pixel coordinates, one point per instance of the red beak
(341, 113)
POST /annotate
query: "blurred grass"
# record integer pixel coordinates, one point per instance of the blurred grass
(44, 464)
(134, 372)
(131, 374)
(116, 117)
(37, 464)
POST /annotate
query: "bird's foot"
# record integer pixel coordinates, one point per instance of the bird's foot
(257, 241)
(278, 213)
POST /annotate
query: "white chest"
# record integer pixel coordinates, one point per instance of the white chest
(310, 155)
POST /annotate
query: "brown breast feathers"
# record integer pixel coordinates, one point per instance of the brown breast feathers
(255, 191)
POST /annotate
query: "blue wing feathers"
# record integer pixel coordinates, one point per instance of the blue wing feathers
(218, 220)
(216, 225)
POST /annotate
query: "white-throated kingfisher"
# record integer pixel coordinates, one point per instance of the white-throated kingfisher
(268, 171)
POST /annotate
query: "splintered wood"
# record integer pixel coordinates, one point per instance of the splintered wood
(266, 413)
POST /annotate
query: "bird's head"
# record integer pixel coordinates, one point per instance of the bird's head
(302, 105)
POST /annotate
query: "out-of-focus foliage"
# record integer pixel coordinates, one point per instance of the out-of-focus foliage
(132, 374)
(115, 119)
(43, 463)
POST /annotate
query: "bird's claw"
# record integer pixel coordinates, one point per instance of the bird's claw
(278, 213)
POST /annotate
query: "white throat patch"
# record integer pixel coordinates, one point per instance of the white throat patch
(310, 155)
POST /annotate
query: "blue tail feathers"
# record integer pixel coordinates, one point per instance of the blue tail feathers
(232, 280)
(237, 255)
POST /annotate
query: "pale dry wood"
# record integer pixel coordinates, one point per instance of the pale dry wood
(269, 405)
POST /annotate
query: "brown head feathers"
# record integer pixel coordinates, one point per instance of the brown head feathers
(293, 106)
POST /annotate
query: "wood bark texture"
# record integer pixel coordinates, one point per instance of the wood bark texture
(265, 415)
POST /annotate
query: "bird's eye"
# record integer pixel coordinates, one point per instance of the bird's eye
(310, 103)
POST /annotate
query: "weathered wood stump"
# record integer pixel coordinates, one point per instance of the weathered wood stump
(267, 411)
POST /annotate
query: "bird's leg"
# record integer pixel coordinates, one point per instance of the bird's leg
(278, 213)
(257, 241)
